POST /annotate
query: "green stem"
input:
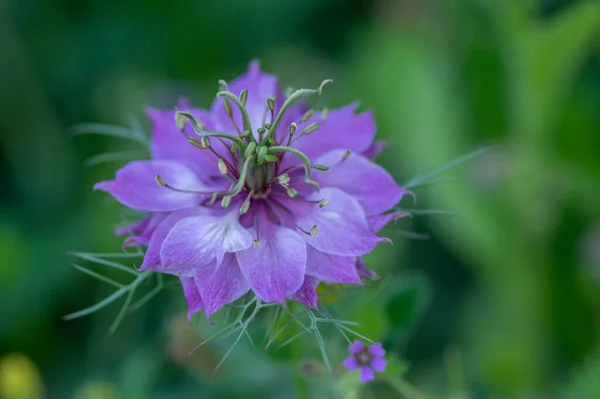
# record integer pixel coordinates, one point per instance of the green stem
(289, 101)
(242, 108)
(305, 162)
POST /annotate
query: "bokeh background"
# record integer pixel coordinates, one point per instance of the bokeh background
(501, 301)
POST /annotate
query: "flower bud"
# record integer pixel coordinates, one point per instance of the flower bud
(311, 128)
(244, 96)
(180, 121)
(271, 102)
(222, 166)
(307, 115)
(322, 168)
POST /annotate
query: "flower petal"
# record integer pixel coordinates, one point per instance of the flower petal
(135, 186)
(143, 230)
(307, 294)
(197, 241)
(364, 272)
(342, 130)
(356, 347)
(276, 268)
(134, 229)
(152, 256)
(224, 285)
(169, 143)
(375, 149)
(342, 226)
(192, 296)
(377, 350)
(368, 182)
(366, 374)
(350, 363)
(379, 364)
(260, 86)
(378, 222)
(332, 268)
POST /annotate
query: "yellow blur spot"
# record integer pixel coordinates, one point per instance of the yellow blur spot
(19, 378)
(329, 293)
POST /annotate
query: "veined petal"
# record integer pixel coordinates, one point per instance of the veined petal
(307, 294)
(220, 285)
(192, 296)
(199, 240)
(152, 257)
(332, 268)
(135, 186)
(343, 129)
(275, 270)
(341, 224)
(368, 182)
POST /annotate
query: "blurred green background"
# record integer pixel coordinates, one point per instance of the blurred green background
(503, 299)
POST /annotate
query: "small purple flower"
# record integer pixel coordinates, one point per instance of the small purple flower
(368, 358)
(258, 193)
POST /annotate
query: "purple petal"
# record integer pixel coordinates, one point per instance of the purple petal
(375, 149)
(260, 86)
(199, 240)
(135, 186)
(224, 285)
(377, 350)
(343, 130)
(332, 268)
(192, 296)
(364, 272)
(356, 347)
(366, 374)
(169, 143)
(276, 268)
(378, 364)
(152, 257)
(368, 182)
(378, 222)
(144, 230)
(134, 229)
(342, 226)
(350, 363)
(307, 294)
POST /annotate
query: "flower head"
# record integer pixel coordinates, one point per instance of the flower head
(258, 193)
(366, 358)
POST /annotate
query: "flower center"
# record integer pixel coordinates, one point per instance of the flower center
(251, 159)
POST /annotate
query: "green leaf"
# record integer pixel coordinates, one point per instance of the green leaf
(406, 307)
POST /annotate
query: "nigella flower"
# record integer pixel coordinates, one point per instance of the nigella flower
(366, 358)
(259, 194)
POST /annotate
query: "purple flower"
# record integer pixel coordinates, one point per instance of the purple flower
(258, 193)
(366, 358)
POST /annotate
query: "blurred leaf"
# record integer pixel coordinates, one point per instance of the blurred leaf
(406, 308)
(584, 384)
